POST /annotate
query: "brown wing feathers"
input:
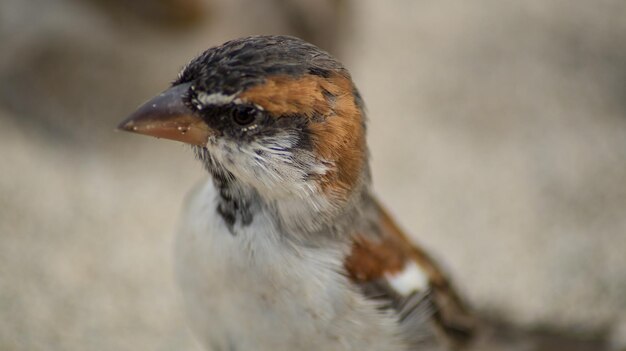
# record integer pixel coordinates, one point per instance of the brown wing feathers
(377, 256)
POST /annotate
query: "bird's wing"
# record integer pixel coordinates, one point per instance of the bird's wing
(403, 277)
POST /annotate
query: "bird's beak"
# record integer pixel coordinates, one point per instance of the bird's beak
(167, 116)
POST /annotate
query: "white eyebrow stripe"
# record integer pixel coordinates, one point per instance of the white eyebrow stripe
(412, 278)
(215, 98)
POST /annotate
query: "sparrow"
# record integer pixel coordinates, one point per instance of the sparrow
(284, 246)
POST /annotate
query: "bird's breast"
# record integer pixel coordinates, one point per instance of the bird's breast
(250, 289)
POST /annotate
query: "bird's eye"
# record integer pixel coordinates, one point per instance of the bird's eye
(244, 115)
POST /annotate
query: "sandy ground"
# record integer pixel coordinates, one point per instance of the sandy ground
(497, 132)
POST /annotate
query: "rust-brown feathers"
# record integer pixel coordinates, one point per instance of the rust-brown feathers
(335, 121)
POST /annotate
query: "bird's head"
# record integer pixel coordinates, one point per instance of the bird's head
(274, 113)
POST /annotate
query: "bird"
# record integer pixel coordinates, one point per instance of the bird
(285, 246)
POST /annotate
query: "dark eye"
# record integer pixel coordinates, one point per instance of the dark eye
(244, 115)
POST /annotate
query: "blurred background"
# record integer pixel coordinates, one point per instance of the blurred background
(497, 132)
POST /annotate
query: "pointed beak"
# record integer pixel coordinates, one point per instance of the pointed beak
(167, 116)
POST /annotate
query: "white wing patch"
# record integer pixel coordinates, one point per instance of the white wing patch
(409, 280)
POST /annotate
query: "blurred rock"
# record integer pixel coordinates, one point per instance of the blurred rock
(320, 22)
(165, 14)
